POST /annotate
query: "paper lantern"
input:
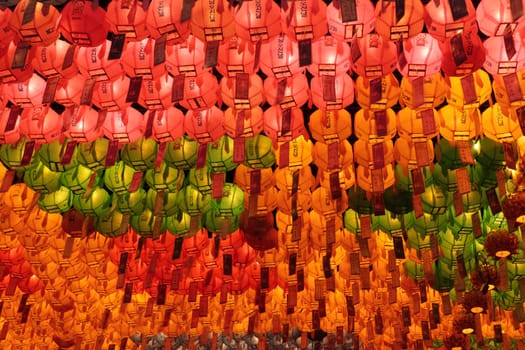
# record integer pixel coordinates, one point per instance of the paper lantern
(94, 63)
(423, 56)
(7, 33)
(234, 95)
(50, 60)
(132, 203)
(14, 155)
(329, 57)
(259, 152)
(165, 20)
(168, 124)
(373, 56)
(124, 126)
(211, 21)
(435, 200)
(360, 24)
(83, 23)
(156, 94)
(365, 180)
(328, 126)
(278, 128)
(138, 60)
(342, 97)
(498, 126)
(80, 179)
(93, 154)
(182, 153)
(111, 225)
(51, 155)
(191, 201)
(144, 223)
(244, 173)
(394, 22)
(15, 73)
(456, 95)
(281, 57)
(27, 94)
(140, 154)
(258, 21)
(287, 92)
(411, 153)
(200, 92)
(180, 227)
(385, 94)
(367, 128)
(498, 61)
(186, 58)
(495, 16)
(219, 156)
(41, 124)
(458, 125)
(41, 29)
(97, 203)
(236, 56)
(411, 124)
(429, 92)
(69, 91)
(323, 153)
(252, 122)
(444, 20)
(84, 125)
(119, 177)
(205, 125)
(41, 179)
(462, 54)
(305, 20)
(56, 202)
(299, 153)
(112, 95)
(128, 19)
(201, 179)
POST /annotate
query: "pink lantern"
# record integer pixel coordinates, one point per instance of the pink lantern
(495, 17)
(84, 24)
(212, 21)
(156, 94)
(423, 56)
(164, 18)
(233, 95)
(287, 92)
(41, 124)
(498, 61)
(274, 121)
(9, 135)
(69, 91)
(372, 56)
(392, 25)
(200, 92)
(362, 24)
(27, 94)
(462, 54)
(84, 125)
(7, 72)
(206, 125)
(258, 20)
(236, 56)
(329, 57)
(443, 20)
(280, 58)
(186, 58)
(128, 18)
(243, 123)
(93, 62)
(304, 19)
(50, 61)
(125, 126)
(341, 97)
(111, 95)
(138, 60)
(168, 124)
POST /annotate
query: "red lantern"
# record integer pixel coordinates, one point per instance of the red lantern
(342, 97)
(138, 60)
(423, 56)
(273, 124)
(498, 61)
(393, 26)
(27, 94)
(9, 136)
(186, 58)
(329, 57)
(128, 18)
(467, 42)
(111, 95)
(83, 23)
(156, 94)
(164, 18)
(84, 124)
(253, 97)
(7, 72)
(362, 24)
(168, 124)
(212, 21)
(124, 126)
(205, 125)
(200, 92)
(280, 58)
(443, 20)
(258, 20)
(69, 91)
(7, 34)
(41, 29)
(251, 123)
(93, 62)
(495, 16)
(304, 19)
(49, 60)
(373, 56)
(41, 124)
(236, 56)
(287, 92)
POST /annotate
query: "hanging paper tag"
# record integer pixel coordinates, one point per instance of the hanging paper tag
(87, 92)
(3, 332)
(458, 204)
(7, 180)
(177, 88)
(508, 39)
(498, 333)
(242, 85)
(503, 275)
(458, 8)
(493, 200)
(380, 118)
(405, 316)
(462, 177)
(391, 260)
(476, 225)
(445, 302)
(400, 9)
(159, 52)
(227, 263)
(520, 113)
(29, 11)
(300, 280)
(462, 270)
(418, 183)
(20, 56)
(316, 319)
(136, 181)
(117, 46)
(327, 270)
(399, 248)
(68, 248)
(105, 319)
(305, 52)
(378, 203)
(378, 155)
(364, 277)
(512, 87)
(176, 276)
(217, 185)
(276, 324)
(201, 156)
(330, 232)
(508, 151)
(469, 90)
(458, 50)
(68, 153)
(192, 292)
(69, 57)
(348, 10)
(128, 292)
(187, 6)
(422, 157)
(465, 153)
(255, 182)
(194, 318)
(292, 264)
(223, 298)
(355, 51)
(161, 152)
(161, 296)
(435, 313)
(418, 93)
(135, 84)
(428, 121)
(401, 58)
(363, 248)
(50, 91)
(333, 156)
(212, 53)
(261, 301)
(14, 114)
(239, 150)
(423, 291)
(284, 155)
(355, 263)
(335, 186)
(329, 93)
(29, 147)
(286, 121)
(376, 91)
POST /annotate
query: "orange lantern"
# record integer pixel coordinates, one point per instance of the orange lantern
(69, 91)
(93, 62)
(503, 58)
(341, 97)
(41, 124)
(84, 23)
(281, 57)
(85, 125)
(428, 92)
(11, 73)
(444, 19)
(283, 125)
(12, 134)
(234, 95)
(373, 56)
(157, 94)
(411, 124)
(168, 124)
(462, 54)
(124, 126)
(287, 92)
(460, 98)
(111, 94)
(50, 61)
(329, 126)
(414, 153)
(138, 60)
(259, 20)
(394, 22)
(375, 126)
(127, 18)
(236, 56)
(41, 29)
(243, 123)
(164, 19)
(205, 125)
(361, 23)
(200, 92)
(377, 93)
(186, 58)
(212, 21)
(423, 56)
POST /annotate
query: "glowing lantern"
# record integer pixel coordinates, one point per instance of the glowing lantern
(111, 225)
(140, 154)
(358, 25)
(377, 93)
(462, 54)
(205, 125)
(328, 126)
(186, 58)
(219, 156)
(41, 179)
(200, 92)
(411, 153)
(27, 94)
(127, 18)
(329, 57)
(124, 126)
(458, 125)
(234, 96)
(50, 60)
(423, 56)
(274, 123)
(84, 125)
(366, 182)
(93, 62)
(299, 153)
(480, 94)
(495, 16)
(7, 34)
(191, 201)
(179, 225)
(366, 125)
(435, 200)
(51, 155)
(281, 57)
(287, 92)
(41, 124)
(500, 58)
(498, 126)
(305, 20)
(181, 153)
(444, 20)
(236, 56)
(210, 21)
(220, 224)
(84, 24)
(258, 21)
(138, 60)
(9, 135)
(131, 202)
(394, 22)
(202, 179)
(410, 124)
(58, 201)
(341, 97)
(252, 122)
(93, 154)
(97, 203)
(259, 152)
(156, 94)
(14, 155)
(373, 56)
(80, 179)
(431, 95)
(111, 95)
(10, 72)
(69, 91)
(41, 29)
(144, 223)
(322, 152)
(168, 124)
(118, 178)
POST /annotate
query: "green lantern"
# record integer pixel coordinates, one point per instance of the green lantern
(351, 221)
(493, 221)
(141, 154)
(192, 201)
(418, 241)
(414, 270)
(146, 224)
(491, 154)
(79, 178)
(131, 202)
(444, 277)
(220, 224)
(472, 200)
(167, 202)
(232, 201)
(448, 154)
(202, 179)
(358, 201)
(165, 178)
(58, 201)
(435, 200)
(404, 178)
(259, 152)
(447, 179)
(180, 224)
(453, 245)
(97, 203)
(93, 154)
(51, 155)
(391, 223)
(118, 178)
(12, 155)
(428, 224)
(114, 224)
(182, 153)
(220, 155)
(398, 201)
(42, 179)
(461, 224)
(485, 178)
